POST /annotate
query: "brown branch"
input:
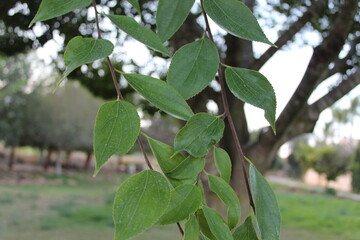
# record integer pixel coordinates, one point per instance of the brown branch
(227, 114)
(111, 67)
(322, 56)
(312, 12)
(336, 93)
(340, 64)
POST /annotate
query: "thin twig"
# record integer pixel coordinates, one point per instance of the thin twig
(228, 116)
(111, 67)
(119, 96)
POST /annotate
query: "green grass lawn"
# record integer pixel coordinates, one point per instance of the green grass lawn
(80, 209)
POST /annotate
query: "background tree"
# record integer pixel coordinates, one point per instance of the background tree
(356, 171)
(336, 22)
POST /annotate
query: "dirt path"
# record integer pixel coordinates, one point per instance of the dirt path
(297, 184)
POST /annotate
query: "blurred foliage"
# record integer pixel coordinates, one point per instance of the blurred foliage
(356, 171)
(331, 160)
(31, 115)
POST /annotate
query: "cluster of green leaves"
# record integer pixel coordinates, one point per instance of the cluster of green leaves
(150, 198)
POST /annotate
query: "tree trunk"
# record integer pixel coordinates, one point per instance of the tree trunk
(11, 158)
(58, 164)
(48, 159)
(87, 161)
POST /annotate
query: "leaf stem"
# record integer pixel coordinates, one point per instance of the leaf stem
(111, 67)
(227, 113)
(119, 96)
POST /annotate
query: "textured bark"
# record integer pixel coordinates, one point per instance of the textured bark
(11, 158)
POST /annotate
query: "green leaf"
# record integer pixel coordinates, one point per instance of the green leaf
(246, 231)
(136, 5)
(200, 133)
(140, 33)
(139, 203)
(170, 15)
(165, 155)
(53, 8)
(188, 169)
(161, 94)
(223, 163)
(204, 226)
(236, 18)
(267, 210)
(193, 67)
(217, 225)
(116, 128)
(228, 196)
(81, 51)
(184, 201)
(253, 87)
(191, 229)
(177, 182)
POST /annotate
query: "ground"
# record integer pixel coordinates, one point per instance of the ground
(76, 207)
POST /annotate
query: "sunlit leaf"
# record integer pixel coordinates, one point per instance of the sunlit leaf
(161, 94)
(184, 201)
(139, 203)
(217, 225)
(140, 33)
(236, 18)
(201, 132)
(222, 163)
(267, 210)
(170, 15)
(53, 8)
(81, 51)
(187, 169)
(253, 87)
(165, 156)
(191, 229)
(228, 196)
(116, 129)
(193, 67)
(246, 231)
(136, 5)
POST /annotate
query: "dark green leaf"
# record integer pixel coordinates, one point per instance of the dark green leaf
(170, 15)
(246, 231)
(217, 225)
(193, 67)
(53, 8)
(267, 210)
(185, 200)
(139, 203)
(116, 129)
(222, 163)
(165, 156)
(140, 33)
(136, 5)
(81, 51)
(161, 94)
(191, 229)
(188, 169)
(228, 196)
(236, 18)
(177, 182)
(200, 133)
(204, 226)
(253, 87)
